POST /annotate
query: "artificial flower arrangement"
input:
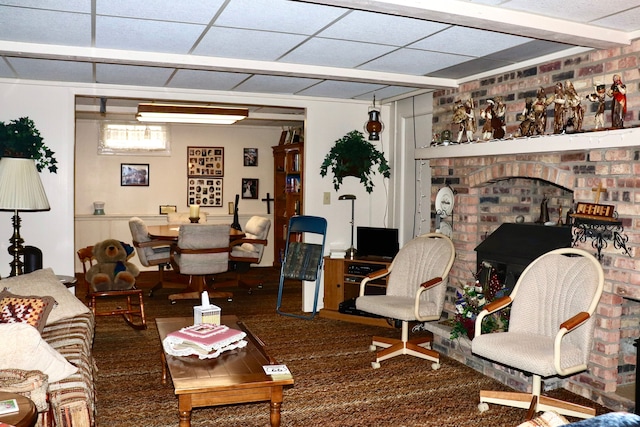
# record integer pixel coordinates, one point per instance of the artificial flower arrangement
(473, 298)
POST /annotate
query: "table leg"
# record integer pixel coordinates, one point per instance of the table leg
(185, 419)
(275, 414)
(163, 359)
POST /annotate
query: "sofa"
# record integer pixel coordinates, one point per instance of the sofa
(46, 353)
(612, 419)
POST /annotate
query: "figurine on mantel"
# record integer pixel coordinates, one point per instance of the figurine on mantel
(573, 103)
(465, 118)
(558, 108)
(599, 97)
(539, 107)
(618, 92)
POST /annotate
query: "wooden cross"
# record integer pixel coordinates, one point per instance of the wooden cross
(598, 190)
(268, 199)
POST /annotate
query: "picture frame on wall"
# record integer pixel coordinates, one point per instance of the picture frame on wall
(204, 191)
(134, 174)
(205, 161)
(251, 157)
(249, 188)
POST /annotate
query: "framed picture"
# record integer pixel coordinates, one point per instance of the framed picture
(165, 209)
(249, 188)
(134, 174)
(204, 192)
(251, 157)
(205, 161)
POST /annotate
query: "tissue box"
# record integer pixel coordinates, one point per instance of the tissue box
(206, 314)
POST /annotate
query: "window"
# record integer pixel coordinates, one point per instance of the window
(131, 139)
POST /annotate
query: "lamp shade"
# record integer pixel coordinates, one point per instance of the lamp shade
(20, 186)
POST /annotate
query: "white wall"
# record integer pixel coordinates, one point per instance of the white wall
(51, 106)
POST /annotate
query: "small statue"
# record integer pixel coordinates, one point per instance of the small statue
(465, 117)
(573, 103)
(539, 107)
(599, 97)
(558, 109)
(527, 126)
(618, 91)
(487, 114)
(498, 122)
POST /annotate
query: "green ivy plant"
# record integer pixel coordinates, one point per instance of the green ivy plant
(20, 138)
(353, 155)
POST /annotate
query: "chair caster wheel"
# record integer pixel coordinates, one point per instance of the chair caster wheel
(173, 302)
(483, 407)
(372, 347)
(230, 299)
(375, 365)
(260, 286)
(435, 366)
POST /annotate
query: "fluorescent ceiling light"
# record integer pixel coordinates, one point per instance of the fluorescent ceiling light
(167, 113)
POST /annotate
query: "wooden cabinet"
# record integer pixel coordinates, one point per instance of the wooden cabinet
(342, 279)
(288, 191)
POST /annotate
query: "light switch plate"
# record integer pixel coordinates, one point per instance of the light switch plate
(326, 198)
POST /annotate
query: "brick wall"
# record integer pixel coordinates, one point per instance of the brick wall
(495, 189)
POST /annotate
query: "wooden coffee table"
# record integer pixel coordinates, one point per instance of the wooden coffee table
(233, 377)
(25, 417)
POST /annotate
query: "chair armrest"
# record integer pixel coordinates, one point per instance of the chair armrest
(493, 306)
(238, 242)
(373, 276)
(153, 243)
(566, 327)
(423, 288)
(431, 283)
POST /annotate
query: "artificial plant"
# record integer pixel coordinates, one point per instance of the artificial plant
(20, 138)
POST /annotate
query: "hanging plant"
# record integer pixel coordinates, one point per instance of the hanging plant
(20, 138)
(353, 155)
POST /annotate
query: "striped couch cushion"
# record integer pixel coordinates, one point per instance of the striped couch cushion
(73, 399)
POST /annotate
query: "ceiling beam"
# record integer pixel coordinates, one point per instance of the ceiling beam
(208, 63)
(497, 19)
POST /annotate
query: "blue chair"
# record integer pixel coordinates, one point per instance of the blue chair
(302, 261)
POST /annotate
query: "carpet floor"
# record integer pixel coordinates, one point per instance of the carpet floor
(330, 361)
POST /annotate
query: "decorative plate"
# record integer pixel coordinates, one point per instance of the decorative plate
(444, 202)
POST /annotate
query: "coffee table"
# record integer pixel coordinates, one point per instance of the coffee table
(233, 377)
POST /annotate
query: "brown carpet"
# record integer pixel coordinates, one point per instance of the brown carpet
(334, 382)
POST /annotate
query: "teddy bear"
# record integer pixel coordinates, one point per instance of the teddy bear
(112, 272)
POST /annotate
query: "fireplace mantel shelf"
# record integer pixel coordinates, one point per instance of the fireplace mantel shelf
(541, 144)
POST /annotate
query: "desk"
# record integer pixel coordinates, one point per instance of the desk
(171, 231)
(231, 378)
(27, 414)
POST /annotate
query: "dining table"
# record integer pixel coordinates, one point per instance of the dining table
(171, 232)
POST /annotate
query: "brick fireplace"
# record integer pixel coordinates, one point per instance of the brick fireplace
(494, 188)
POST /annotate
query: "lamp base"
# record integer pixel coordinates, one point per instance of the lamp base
(194, 220)
(351, 253)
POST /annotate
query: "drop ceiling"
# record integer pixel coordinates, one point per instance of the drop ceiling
(346, 49)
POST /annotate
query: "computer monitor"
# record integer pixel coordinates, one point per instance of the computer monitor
(377, 242)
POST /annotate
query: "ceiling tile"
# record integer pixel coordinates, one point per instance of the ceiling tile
(383, 29)
(191, 11)
(44, 69)
(128, 74)
(571, 10)
(530, 50)
(246, 44)
(337, 89)
(468, 41)
(278, 15)
(413, 61)
(385, 92)
(5, 70)
(82, 6)
(43, 26)
(335, 53)
(276, 84)
(206, 80)
(138, 34)
(626, 21)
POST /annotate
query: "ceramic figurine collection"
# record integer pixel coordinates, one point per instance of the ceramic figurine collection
(568, 113)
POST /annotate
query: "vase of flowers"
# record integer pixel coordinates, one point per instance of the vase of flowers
(471, 301)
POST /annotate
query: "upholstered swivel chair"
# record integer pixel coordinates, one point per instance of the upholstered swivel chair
(249, 249)
(416, 286)
(151, 252)
(133, 313)
(550, 328)
(202, 250)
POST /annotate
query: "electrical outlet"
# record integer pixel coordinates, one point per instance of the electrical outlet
(326, 198)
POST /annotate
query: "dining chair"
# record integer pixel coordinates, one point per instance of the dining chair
(248, 251)
(202, 250)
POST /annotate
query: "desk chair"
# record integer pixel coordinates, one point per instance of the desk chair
(151, 252)
(550, 328)
(416, 287)
(249, 250)
(201, 250)
(130, 313)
